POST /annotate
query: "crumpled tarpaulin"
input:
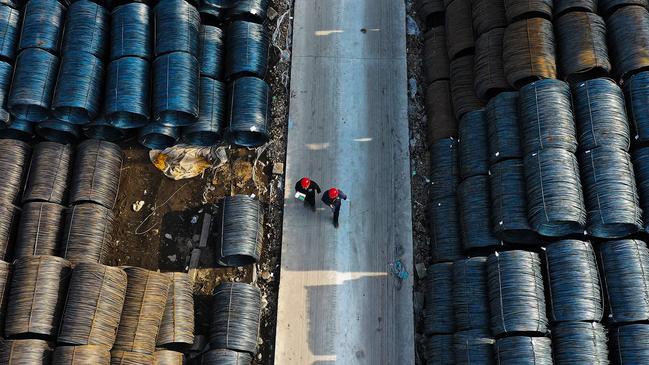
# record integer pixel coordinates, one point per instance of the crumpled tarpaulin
(184, 161)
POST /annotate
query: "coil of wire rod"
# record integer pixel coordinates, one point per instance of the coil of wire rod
(33, 84)
(473, 347)
(459, 29)
(96, 173)
(81, 355)
(241, 231)
(546, 117)
(9, 32)
(5, 282)
(130, 31)
(628, 54)
(176, 24)
(177, 326)
(211, 51)
(168, 357)
(528, 51)
(175, 88)
(213, 11)
(444, 226)
(608, 7)
(58, 131)
(42, 25)
(636, 91)
(473, 146)
(37, 295)
(87, 233)
(224, 357)
(235, 320)
(6, 73)
(21, 130)
(563, 7)
(20, 352)
(523, 350)
(625, 280)
(157, 136)
(48, 173)
(462, 91)
(574, 293)
(441, 120)
(489, 73)
(581, 43)
(473, 197)
(579, 343)
(250, 10)
(445, 172)
(118, 357)
(77, 95)
(86, 29)
(438, 310)
(249, 113)
(641, 168)
(434, 55)
(127, 101)
(470, 297)
(39, 229)
(9, 217)
(610, 193)
(502, 127)
(427, 9)
(207, 131)
(438, 350)
(488, 15)
(14, 159)
(16, 4)
(246, 50)
(629, 344)
(600, 115)
(516, 10)
(103, 130)
(144, 306)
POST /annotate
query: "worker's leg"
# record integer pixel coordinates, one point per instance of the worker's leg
(336, 214)
(310, 200)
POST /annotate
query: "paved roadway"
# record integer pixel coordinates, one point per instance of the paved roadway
(348, 127)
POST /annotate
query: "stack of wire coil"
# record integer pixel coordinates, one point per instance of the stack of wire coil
(636, 92)
(441, 119)
(438, 350)
(641, 168)
(519, 9)
(87, 233)
(579, 342)
(525, 349)
(48, 176)
(241, 231)
(5, 277)
(565, 6)
(9, 33)
(462, 86)
(628, 54)
(81, 355)
(102, 129)
(489, 73)
(225, 356)
(487, 15)
(434, 57)
(250, 10)
(247, 50)
(473, 347)
(459, 29)
(17, 352)
(14, 162)
(121, 357)
(249, 111)
(96, 173)
(39, 230)
(438, 304)
(168, 357)
(628, 344)
(177, 326)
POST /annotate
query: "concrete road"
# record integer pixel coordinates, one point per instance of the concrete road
(338, 301)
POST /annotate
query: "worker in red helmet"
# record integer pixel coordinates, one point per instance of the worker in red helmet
(309, 188)
(332, 198)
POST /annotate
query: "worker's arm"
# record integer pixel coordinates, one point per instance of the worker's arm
(342, 195)
(316, 187)
(298, 187)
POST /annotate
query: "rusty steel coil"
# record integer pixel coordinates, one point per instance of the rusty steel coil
(95, 177)
(629, 54)
(462, 91)
(87, 233)
(9, 218)
(528, 52)
(488, 15)
(434, 55)
(48, 175)
(459, 28)
(168, 357)
(14, 159)
(39, 230)
(441, 120)
(5, 282)
(25, 352)
(177, 327)
(118, 357)
(82, 355)
(489, 72)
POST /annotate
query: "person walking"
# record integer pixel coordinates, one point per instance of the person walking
(332, 198)
(309, 188)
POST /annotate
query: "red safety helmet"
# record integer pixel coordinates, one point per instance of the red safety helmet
(333, 193)
(305, 182)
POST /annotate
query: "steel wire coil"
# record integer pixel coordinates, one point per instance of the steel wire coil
(213, 11)
(581, 46)
(529, 52)
(445, 171)
(5, 283)
(608, 7)
(48, 175)
(42, 25)
(629, 344)
(176, 24)
(78, 91)
(37, 296)
(249, 111)
(554, 196)
(9, 31)
(522, 350)
(235, 320)
(438, 350)
(636, 91)
(509, 220)
(127, 103)
(21, 130)
(516, 10)
(247, 45)
(87, 26)
(438, 310)
(574, 293)
(546, 116)
(6, 73)
(58, 131)
(641, 168)
(473, 347)
(489, 73)
(130, 31)
(473, 197)
(427, 9)
(462, 91)
(487, 15)
(224, 357)
(175, 89)
(624, 265)
(177, 326)
(87, 233)
(103, 130)
(473, 147)
(168, 357)
(16, 4)
(118, 357)
(628, 54)
(502, 127)
(9, 218)
(434, 55)
(580, 343)
(470, 297)
(25, 352)
(144, 306)
(600, 115)
(459, 29)
(96, 173)
(241, 231)
(250, 10)
(444, 228)
(14, 159)
(33, 84)
(562, 7)
(207, 131)
(610, 193)
(516, 296)
(211, 51)
(81, 355)
(441, 120)
(157, 136)
(39, 230)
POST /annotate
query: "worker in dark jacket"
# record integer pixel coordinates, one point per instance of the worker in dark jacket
(332, 198)
(309, 188)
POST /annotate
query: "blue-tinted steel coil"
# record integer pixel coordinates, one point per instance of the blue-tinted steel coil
(636, 91)
(625, 270)
(209, 128)
(561, 7)
(18, 129)
(546, 117)
(516, 296)
(444, 228)
(555, 203)
(241, 231)
(42, 25)
(103, 130)
(445, 170)
(629, 344)
(131, 31)
(211, 51)
(216, 9)
(473, 197)
(77, 95)
(157, 136)
(6, 73)
(175, 89)
(473, 347)
(9, 32)
(58, 131)
(86, 29)
(503, 130)
(610, 193)
(33, 84)
(629, 54)
(249, 113)
(14, 162)
(127, 99)
(16, 4)
(246, 50)
(251, 10)
(473, 144)
(225, 357)
(236, 315)
(438, 350)
(580, 343)
(470, 297)
(607, 7)
(641, 168)
(176, 24)
(523, 350)
(574, 293)
(438, 310)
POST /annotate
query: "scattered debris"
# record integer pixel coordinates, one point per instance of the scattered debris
(168, 236)
(421, 270)
(137, 206)
(398, 270)
(278, 168)
(194, 219)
